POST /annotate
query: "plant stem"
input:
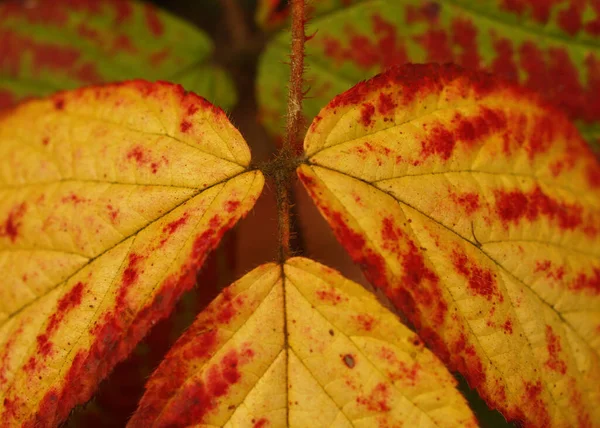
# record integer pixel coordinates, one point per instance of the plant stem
(285, 162)
(294, 116)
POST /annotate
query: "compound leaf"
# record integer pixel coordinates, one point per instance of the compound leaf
(301, 346)
(111, 197)
(47, 45)
(476, 208)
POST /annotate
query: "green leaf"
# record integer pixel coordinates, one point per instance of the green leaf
(553, 49)
(60, 44)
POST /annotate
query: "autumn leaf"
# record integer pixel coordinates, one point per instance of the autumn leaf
(552, 47)
(301, 346)
(49, 45)
(110, 199)
(476, 208)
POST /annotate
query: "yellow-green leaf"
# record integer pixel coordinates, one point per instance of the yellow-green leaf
(476, 208)
(48, 45)
(110, 199)
(300, 346)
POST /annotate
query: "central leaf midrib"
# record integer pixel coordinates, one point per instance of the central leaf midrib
(383, 375)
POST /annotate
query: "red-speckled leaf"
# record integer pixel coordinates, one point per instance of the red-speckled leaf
(47, 45)
(551, 46)
(110, 199)
(311, 349)
(476, 208)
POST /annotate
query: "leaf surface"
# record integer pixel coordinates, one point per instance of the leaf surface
(476, 208)
(552, 47)
(110, 199)
(49, 45)
(300, 346)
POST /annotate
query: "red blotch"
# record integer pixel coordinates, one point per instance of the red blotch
(536, 406)
(261, 423)
(330, 295)
(365, 321)
(68, 302)
(158, 57)
(56, 58)
(197, 399)
(386, 50)
(507, 327)
(10, 227)
(5, 351)
(377, 400)
(470, 131)
(400, 371)
(437, 45)
(366, 114)
(590, 283)
(185, 126)
(504, 62)
(464, 34)
(122, 43)
(143, 159)
(593, 175)
(7, 99)
(515, 206)
(173, 226)
(130, 276)
(386, 104)
(113, 213)
(554, 348)
(481, 281)
(153, 21)
(231, 206)
(74, 199)
(468, 201)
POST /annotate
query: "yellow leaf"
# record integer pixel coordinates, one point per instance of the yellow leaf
(110, 199)
(300, 346)
(476, 208)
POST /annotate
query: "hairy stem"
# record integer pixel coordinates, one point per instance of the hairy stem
(294, 114)
(285, 162)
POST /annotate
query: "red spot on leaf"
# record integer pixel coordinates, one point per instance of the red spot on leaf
(113, 213)
(10, 227)
(231, 206)
(173, 226)
(331, 296)
(143, 158)
(399, 370)
(261, 423)
(7, 99)
(384, 50)
(366, 113)
(130, 277)
(507, 327)
(153, 21)
(468, 201)
(377, 400)
(185, 126)
(481, 281)
(68, 302)
(585, 282)
(554, 348)
(515, 206)
(365, 321)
